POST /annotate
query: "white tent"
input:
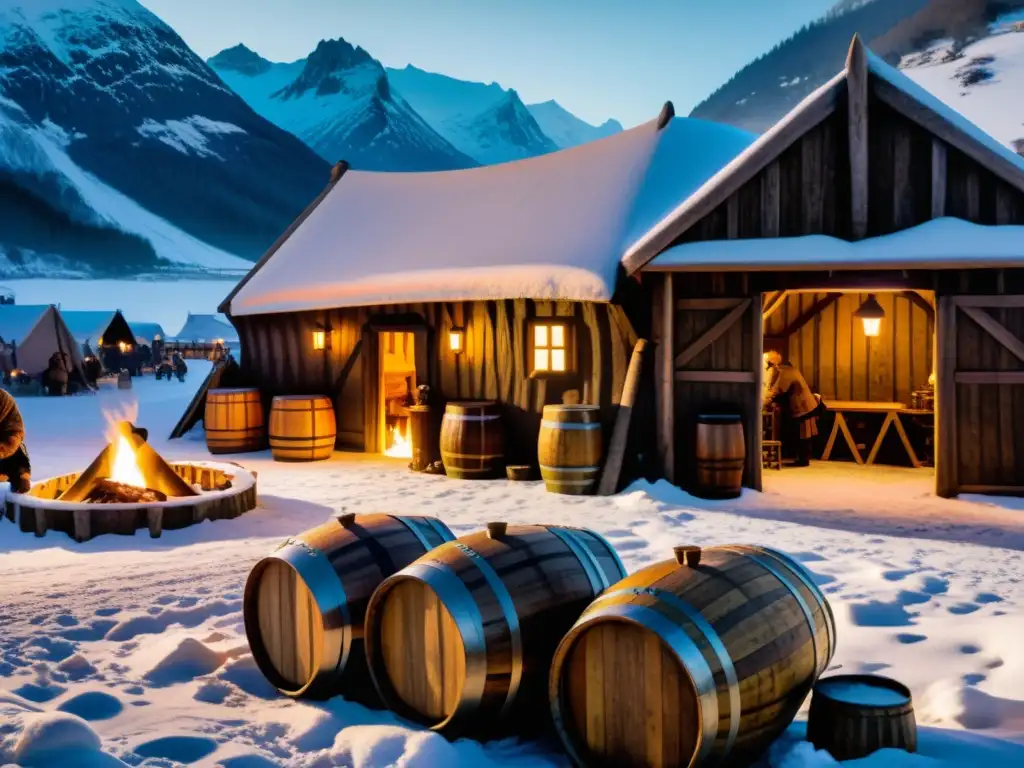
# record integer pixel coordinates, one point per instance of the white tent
(206, 329)
(37, 331)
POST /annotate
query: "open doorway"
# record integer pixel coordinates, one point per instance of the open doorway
(869, 358)
(397, 355)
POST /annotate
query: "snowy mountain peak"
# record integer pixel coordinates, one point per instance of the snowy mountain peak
(326, 66)
(241, 59)
(567, 130)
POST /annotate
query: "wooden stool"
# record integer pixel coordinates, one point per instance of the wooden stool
(771, 454)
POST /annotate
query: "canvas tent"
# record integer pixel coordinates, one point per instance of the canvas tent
(205, 329)
(99, 328)
(37, 331)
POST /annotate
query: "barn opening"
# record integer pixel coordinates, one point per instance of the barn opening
(870, 359)
(397, 355)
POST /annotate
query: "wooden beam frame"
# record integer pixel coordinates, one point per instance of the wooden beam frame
(665, 379)
(918, 300)
(989, 377)
(939, 162)
(707, 304)
(946, 453)
(857, 95)
(992, 302)
(757, 396)
(775, 304)
(717, 377)
(712, 334)
(819, 306)
(996, 330)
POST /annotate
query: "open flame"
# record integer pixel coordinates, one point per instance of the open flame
(125, 468)
(401, 445)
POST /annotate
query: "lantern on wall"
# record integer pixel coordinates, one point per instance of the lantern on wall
(456, 340)
(871, 314)
(321, 337)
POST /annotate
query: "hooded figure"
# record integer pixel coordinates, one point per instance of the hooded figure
(790, 390)
(14, 463)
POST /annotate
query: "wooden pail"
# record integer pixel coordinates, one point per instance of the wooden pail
(720, 456)
(679, 664)
(570, 448)
(852, 716)
(124, 379)
(305, 603)
(233, 420)
(461, 640)
(472, 440)
(302, 428)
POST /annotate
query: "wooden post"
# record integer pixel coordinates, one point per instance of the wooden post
(666, 380)
(946, 454)
(81, 519)
(155, 520)
(755, 474)
(620, 433)
(938, 179)
(857, 91)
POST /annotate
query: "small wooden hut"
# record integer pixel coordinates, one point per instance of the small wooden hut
(108, 334)
(499, 283)
(871, 186)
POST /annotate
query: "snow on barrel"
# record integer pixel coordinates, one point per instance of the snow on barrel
(461, 640)
(304, 604)
(852, 716)
(698, 660)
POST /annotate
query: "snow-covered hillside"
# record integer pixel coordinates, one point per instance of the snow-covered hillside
(487, 122)
(122, 151)
(567, 130)
(984, 80)
(340, 102)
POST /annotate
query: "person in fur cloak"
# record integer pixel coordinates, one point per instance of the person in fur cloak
(15, 466)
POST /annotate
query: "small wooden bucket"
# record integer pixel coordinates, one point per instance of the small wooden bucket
(720, 456)
(852, 716)
(519, 472)
(302, 428)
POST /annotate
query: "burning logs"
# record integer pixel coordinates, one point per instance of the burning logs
(107, 491)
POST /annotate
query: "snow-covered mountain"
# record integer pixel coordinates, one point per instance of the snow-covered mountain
(567, 130)
(969, 53)
(340, 102)
(486, 122)
(121, 151)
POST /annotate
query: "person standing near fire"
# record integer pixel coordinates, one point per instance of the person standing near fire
(789, 389)
(15, 466)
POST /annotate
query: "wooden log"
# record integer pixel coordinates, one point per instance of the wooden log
(665, 380)
(720, 456)
(461, 640)
(857, 90)
(569, 448)
(620, 433)
(704, 662)
(852, 716)
(304, 605)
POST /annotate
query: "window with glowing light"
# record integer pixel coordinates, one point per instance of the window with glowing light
(319, 340)
(550, 348)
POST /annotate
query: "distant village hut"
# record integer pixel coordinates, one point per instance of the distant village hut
(873, 237)
(109, 335)
(500, 283)
(31, 336)
(203, 337)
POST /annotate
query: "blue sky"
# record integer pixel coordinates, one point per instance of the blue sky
(597, 58)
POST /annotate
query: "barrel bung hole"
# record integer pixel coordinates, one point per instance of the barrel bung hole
(290, 625)
(626, 700)
(421, 651)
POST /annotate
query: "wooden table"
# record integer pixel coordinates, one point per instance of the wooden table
(892, 413)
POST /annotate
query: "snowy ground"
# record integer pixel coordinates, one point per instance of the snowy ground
(128, 650)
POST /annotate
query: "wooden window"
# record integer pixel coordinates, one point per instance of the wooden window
(550, 349)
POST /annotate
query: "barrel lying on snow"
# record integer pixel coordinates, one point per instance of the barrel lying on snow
(305, 603)
(462, 639)
(704, 659)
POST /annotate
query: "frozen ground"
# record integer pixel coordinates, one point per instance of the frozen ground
(129, 650)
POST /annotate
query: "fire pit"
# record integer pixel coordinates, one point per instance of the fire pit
(129, 486)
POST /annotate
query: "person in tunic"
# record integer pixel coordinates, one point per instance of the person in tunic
(789, 388)
(14, 462)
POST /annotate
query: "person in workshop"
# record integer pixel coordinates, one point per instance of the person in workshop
(15, 467)
(789, 389)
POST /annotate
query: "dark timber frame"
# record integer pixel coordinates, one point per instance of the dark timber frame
(860, 158)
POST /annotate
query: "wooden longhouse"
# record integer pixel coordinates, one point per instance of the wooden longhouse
(499, 283)
(871, 185)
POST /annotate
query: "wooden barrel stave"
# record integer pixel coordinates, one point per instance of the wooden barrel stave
(720, 456)
(710, 620)
(302, 428)
(570, 448)
(472, 440)
(510, 598)
(332, 571)
(233, 420)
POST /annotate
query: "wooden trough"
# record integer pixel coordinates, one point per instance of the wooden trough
(228, 491)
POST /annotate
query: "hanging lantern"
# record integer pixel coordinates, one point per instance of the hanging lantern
(871, 314)
(456, 337)
(319, 340)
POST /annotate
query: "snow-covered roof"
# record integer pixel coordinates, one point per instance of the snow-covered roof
(206, 328)
(772, 143)
(549, 227)
(936, 244)
(145, 332)
(88, 325)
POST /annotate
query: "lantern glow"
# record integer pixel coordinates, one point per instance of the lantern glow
(871, 315)
(319, 340)
(455, 339)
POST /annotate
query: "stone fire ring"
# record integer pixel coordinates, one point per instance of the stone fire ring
(229, 490)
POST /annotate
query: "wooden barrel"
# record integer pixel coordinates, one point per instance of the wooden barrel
(305, 603)
(852, 716)
(233, 420)
(569, 448)
(461, 640)
(472, 441)
(720, 456)
(124, 379)
(702, 659)
(302, 428)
